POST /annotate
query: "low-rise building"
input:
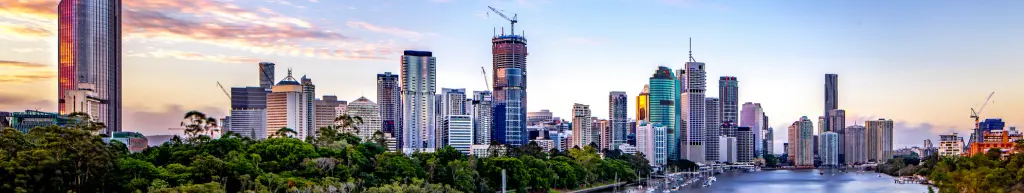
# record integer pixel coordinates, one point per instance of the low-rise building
(951, 145)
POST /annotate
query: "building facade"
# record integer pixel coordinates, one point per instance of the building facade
(286, 108)
(618, 117)
(830, 149)
(837, 124)
(482, 117)
(460, 132)
(325, 110)
(249, 112)
(389, 99)
(728, 91)
(753, 117)
(266, 74)
(727, 149)
(951, 145)
(538, 118)
(663, 94)
(856, 145)
(582, 126)
(642, 102)
(369, 112)
(89, 52)
(713, 122)
(744, 144)
(802, 142)
(879, 139)
(651, 141)
(419, 78)
(25, 121)
(453, 102)
(694, 111)
(509, 74)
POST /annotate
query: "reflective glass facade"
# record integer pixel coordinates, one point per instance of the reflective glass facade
(89, 51)
(663, 95)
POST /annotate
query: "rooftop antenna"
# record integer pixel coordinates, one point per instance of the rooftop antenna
(691, 51)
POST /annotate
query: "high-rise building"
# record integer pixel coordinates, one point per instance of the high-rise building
(539, 118)
(287, 106)
(713, 128)
(651, 141)
(418, 87)
(581, 126)
(830, 149)
(482, 117)
(744, 144)
(822, 125)
(453, 102)
(369, 112)
(728, 91)
(618, 116)
(856, 146)
(249, 112)
(837, 124)
(879, 139)
(753, 117)
(802, 142)
(310, 90)
(460, 132)
(727, 149)
(951, 145)
(693, 109)
(266, 74)
(325, 110)
(389, 98)
(509, 74)
(89, 52)
(769, 136)
(831, 97)
(602, 131)
(642, 100)
(927, 144)
(663, 94)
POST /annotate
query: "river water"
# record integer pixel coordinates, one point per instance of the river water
(800, 181)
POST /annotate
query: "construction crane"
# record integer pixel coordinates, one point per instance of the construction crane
(977, 115)
(225, 90)
(487, 84)
(514, 19)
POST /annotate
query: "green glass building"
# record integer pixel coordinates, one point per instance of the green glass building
(664, 92)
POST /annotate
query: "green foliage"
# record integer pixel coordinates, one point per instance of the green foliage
(58, 159)
(978, 173)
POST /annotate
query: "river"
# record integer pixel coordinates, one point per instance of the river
(799, 181)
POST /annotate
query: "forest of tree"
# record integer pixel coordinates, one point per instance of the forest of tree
(74, 159)
(989, 172)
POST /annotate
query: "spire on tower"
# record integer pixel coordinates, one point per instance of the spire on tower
(691, 51)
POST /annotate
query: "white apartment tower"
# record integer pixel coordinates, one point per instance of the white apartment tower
(693, 111)
(581, 126)
(418, 87)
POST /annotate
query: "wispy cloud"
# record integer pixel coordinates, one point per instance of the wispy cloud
(17, 64)
(217, 23)
(387, 30)
(26, 50)
(26, 76)
(196, 56)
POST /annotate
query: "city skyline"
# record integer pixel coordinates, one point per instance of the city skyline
(152, 105)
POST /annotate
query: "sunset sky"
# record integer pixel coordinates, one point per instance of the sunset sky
(923, 64)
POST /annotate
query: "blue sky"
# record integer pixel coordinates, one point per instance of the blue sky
(923, 64)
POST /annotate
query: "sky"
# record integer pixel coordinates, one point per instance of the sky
(923, 64)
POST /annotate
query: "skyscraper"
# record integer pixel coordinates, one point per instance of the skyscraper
(830, 148)
(642, 101)
(287, 106)
(713, 128)
(310, 90)
(482, 117)
(418, 87)
(769, 136)
(663, 94)
(879, 139)
(369, 112)
(266, 74)
(728, 91)
(453, 102)
(744, 144)
(856, 146)
(460, 132)
(618, 115)
(752, 116)
(89, 52)
(693, 108)
(831, 96)
(650, 139)
(802, 142)
(389, 99)
(249, 112)
(837, 122)
(581, 126)
(509, 74)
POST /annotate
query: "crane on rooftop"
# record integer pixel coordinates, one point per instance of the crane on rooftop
(977, 114)
(513, 20)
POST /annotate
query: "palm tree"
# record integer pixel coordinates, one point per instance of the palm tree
(197, 123)
(284, 131)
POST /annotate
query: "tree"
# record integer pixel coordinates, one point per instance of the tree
(83, 121)
(285, 132)
(348, 123)
(197, 123)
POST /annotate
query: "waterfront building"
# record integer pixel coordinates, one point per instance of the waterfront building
(837, 124)
(830, 149)
(744, 145)
(618, 117)
(664, 95)
(856, 145)
(693, 80)
(879, 140)
(418, 113)
(728, 91)
(714, 126)
(727, 149)
(831, 98)
(651, 139)
(753, 117)
(802, 142)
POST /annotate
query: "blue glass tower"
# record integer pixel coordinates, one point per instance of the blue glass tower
(664, 93)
